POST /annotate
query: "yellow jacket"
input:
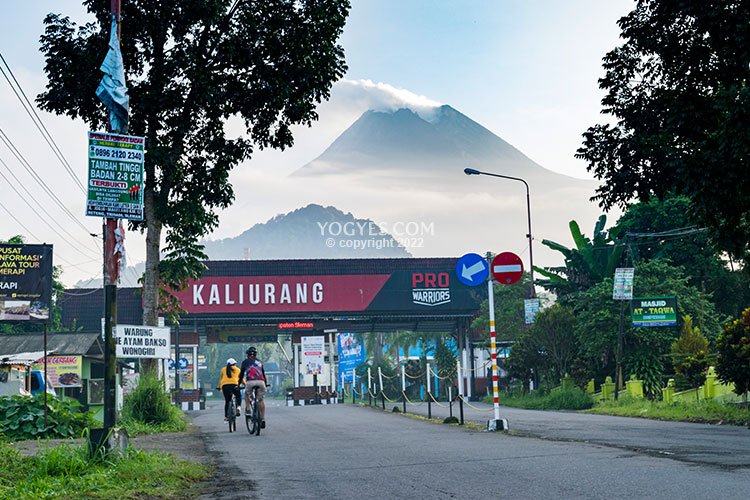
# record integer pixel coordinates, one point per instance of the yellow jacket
(233, 378)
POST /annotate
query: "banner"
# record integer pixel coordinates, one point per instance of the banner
(25, 281)
(351, 354)
(623, 286)
(116, 176)
(530, 310)
(62, 371)
(313, 352)
(654, 311)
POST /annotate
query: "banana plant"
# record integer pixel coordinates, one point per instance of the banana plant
(589, 262)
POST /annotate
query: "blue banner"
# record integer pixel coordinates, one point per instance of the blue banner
(351, 355)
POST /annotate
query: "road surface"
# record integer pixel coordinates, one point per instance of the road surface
(347, 451)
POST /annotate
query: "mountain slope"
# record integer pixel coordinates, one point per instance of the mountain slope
(313, 231)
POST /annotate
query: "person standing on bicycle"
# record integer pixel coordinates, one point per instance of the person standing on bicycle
(254, 375)
(229, 383)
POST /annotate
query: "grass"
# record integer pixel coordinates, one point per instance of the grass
(67, 471)
(175, 423)
(569, 398)
(703, 411)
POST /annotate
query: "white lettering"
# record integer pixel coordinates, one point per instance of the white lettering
(270, 293)
(253, 296)
(197, 298)
(286, 297)
(213, 298)
(227, 296)
(301, 293)
(317, 293)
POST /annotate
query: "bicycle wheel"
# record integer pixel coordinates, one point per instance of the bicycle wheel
(256, 417)
(249, 421)
(231, 415)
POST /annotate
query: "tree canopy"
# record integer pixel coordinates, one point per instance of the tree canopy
(190, 66)
(678, 97)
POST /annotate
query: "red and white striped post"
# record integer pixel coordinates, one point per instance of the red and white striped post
(493, 351)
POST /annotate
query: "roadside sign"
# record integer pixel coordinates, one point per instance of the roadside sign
(654, 311)
(183, 363)
(623, 288)
(472, 269)
(116, 176)
(507, 268)
(134, 341)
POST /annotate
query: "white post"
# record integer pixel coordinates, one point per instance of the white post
(331, 351)
(460, 378)
(450, 393)
(380, 378)
(429, 387)
(369, 380)
(354, 380)
(297, 360)
(493, 349)
(403, 378)
(195, 367)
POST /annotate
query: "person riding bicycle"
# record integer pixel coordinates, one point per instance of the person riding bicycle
(229, 383)
(254, 375)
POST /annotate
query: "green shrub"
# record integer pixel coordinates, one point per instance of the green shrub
(562, 398)
(148, 403)
(22, 417)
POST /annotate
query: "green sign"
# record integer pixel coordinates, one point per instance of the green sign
(654, 311)
(116, 177)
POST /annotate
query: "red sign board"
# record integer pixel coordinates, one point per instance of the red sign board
(507, 268)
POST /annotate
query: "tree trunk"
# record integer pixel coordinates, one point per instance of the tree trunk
(151, 275)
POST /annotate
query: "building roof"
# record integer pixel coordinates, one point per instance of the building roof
(71, 344)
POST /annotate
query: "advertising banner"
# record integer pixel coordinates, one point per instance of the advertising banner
(132, 341)
(313, 352)
(116, 176)
(62, 371)
(623, 287)
(654, 311)
(351, 354)
(530, 310)
(25, 281)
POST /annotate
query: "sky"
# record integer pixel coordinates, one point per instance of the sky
(526, 70)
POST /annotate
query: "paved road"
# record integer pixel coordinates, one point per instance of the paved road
(708, 444)
(346, 451)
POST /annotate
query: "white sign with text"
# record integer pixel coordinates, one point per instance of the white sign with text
(133, 341)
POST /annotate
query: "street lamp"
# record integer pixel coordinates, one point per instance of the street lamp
(471, 171)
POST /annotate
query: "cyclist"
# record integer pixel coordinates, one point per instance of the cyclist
(254, 375)
(229, 382)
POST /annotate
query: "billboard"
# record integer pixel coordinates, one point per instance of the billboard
(654, 311)
(116, 176)
(25, 281)
(62, 371)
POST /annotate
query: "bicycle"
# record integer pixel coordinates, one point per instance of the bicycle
(252, 418)
(232, 413)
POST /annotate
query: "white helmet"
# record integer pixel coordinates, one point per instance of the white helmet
(231, 361)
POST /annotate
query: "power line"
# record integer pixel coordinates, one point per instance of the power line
(29, 108)
(41, 182)
(43, 219)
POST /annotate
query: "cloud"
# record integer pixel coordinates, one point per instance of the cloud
(383, 97)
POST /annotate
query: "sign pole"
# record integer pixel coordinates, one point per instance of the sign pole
(493, 354)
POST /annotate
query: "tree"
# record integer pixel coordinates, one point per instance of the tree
(190, 66)
(509, 311)
(548, 348)
(598, 316)
(733, 345)
(686, 246)
(690, 356)
(588, 263)
(678, 96)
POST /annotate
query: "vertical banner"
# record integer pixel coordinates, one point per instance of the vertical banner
(623, 287)
(351, 354)
(25, 281)
(313, 355)
(530, 310)
(116, 176)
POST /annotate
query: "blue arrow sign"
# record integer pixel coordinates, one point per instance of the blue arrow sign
(472, 269)
(171, 364)
(182, 363)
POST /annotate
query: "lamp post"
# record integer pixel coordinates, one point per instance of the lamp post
(471, 171)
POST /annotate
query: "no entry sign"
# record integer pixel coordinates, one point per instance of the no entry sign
(507, 268)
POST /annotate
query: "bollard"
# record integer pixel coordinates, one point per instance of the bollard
(461, 409)
(450, 401)
(403, 386)
(429, 394)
